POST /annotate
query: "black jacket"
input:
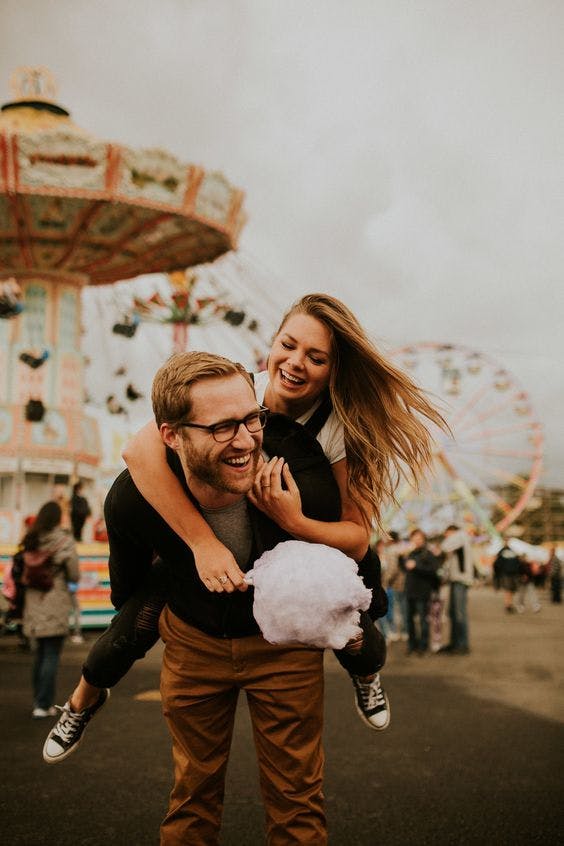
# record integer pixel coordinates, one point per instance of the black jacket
(423, 579)
(137, 535)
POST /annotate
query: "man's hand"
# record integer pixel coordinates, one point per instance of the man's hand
(218, 569)
(410, 564)
(284, 506)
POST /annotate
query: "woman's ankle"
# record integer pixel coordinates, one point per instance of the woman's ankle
(83, 697)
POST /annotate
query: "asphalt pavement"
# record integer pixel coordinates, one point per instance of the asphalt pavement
(474, 753)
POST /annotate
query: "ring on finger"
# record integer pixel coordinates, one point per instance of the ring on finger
(222, 579)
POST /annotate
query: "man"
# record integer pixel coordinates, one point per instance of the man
(79, 511)
(208, 415)
(459, 572)
(421, 580)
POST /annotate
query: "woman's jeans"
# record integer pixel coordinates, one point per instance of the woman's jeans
(44, 673)
(135, 629)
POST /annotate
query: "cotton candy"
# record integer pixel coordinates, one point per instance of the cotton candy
(307, 593)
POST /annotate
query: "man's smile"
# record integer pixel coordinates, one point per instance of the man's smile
(239, 461)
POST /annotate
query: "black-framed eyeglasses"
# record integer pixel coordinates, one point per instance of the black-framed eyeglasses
(226, 430)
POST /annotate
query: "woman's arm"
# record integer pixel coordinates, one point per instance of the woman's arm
(145, 456)
(350, 534)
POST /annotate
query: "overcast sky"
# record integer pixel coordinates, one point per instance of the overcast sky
(406, 157)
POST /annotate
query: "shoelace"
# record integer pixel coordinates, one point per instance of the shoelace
(372, 694)
(68, 723)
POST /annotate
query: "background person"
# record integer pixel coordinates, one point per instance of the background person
(526, 593)
(554, 569)
(506, 569)
(46, 609)
(458, 570)
(79, 511)
(421, 580)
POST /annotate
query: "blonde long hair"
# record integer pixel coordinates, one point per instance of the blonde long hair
(377, 403)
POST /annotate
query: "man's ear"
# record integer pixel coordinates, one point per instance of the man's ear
(170, 436)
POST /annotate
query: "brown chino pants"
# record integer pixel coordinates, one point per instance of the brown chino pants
(200, 682)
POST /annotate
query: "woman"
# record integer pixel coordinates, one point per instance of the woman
(371, 435)
(47, 607)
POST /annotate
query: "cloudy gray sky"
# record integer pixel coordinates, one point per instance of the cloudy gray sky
(407, 157)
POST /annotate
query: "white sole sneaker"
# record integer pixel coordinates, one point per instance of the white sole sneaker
(67, 733)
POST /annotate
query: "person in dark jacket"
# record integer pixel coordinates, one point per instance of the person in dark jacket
(506, 570)
(79, 511)
(554, 569)
(421, 580)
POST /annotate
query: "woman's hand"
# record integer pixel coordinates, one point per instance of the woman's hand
(284, 506)
(217, 568)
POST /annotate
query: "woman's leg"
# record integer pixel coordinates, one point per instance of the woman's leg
(36, 669)
(362, 661)
(371, 656)
(133, 631)
(45, 670)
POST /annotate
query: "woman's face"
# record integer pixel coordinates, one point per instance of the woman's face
(299, 364)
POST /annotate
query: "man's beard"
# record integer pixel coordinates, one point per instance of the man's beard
(210, 472)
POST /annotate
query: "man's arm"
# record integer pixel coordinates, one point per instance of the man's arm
(135, 533)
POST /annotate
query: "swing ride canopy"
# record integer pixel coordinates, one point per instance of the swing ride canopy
(71, 203)
(75, 211)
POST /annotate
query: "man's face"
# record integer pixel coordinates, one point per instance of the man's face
(214, 469)
(418, 539)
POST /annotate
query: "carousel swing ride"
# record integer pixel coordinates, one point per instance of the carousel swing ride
(76, 211)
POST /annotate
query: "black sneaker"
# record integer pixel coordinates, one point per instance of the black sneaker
(66, 734)
(372, 703)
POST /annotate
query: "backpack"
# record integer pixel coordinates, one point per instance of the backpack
(38, 569)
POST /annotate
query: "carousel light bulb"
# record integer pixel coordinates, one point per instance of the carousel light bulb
(474, 364)
(501, 380)
(410, 359)
(522, 406)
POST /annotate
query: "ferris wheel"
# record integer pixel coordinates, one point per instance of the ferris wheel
(483, 475)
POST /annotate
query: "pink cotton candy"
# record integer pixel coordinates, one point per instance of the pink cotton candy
(307, 593)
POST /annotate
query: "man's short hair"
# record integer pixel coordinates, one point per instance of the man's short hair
(417, 532)
(170, 393)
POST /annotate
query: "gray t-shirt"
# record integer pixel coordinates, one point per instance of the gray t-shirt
(232, 526)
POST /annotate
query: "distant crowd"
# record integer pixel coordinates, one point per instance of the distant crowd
(427, 579)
